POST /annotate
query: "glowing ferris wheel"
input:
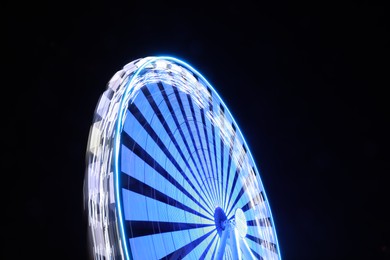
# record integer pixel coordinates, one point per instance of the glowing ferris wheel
(169, 174)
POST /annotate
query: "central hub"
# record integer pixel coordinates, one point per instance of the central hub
(219, 219)
(240, 220)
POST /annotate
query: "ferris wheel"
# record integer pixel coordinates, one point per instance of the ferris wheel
(169, 174)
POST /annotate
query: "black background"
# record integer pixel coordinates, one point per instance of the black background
(306, 84)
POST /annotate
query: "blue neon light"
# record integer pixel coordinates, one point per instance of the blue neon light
(207, 163)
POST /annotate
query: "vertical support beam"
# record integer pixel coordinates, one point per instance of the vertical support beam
(222, 242)
(234, 246)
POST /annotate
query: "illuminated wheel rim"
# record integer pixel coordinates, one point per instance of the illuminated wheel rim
(169, 171)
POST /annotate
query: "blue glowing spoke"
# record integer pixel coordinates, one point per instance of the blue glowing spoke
(183, 251)
(243, 201)
(183, 238)
(144, 228)
(207, 249)
(232, 180)
(259, 257)
(238, 197)
(163, 244)
(264, 222)
(178, 126)
(184, 114)
(139, 187)
(196, 147)
(204, 151)
(158, 183)
(265, 244)
(145, 125)
(212, 152)
(200, 248)
(140, 152)
(222, 159)
(215, 250)
(257, 250)
(229, 164)
(214, 144)
(236, 174)
(210, 161)
(260, 231)
(148, 175)
(211, 252)
(238, 171)
(195, 123)
(257, 200)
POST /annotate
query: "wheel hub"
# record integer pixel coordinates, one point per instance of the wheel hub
(219, 219)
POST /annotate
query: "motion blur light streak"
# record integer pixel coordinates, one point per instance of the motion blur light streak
(169, 172)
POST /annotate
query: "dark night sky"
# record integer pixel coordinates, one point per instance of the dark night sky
(305, 83)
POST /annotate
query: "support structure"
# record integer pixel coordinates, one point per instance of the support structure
(234, 246)
(238, 247)
(222, 244)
